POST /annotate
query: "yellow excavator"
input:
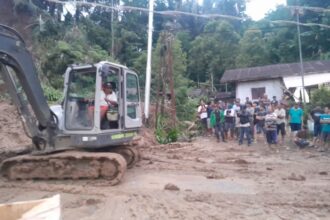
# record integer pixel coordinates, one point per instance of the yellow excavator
(79, 139)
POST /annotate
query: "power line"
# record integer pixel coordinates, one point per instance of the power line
(207, 16)
(315, 9)
(299, 23)
(132, 8)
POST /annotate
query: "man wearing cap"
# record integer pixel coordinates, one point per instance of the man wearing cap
(108, 98)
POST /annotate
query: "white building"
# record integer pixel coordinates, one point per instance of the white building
(273, 80)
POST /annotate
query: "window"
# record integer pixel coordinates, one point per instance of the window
(78, 111)
(132, 95)
(132, 92)
(258, 92)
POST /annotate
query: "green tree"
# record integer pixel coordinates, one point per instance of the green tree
(252, 50)
(321, 97)
(179, 69)
(213, 51)
(72, 48)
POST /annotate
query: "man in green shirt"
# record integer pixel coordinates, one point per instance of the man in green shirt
(217, 122)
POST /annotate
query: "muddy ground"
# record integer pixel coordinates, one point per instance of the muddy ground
(199, 180)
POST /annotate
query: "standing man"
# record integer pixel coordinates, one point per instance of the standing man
(244, 126)
(250, 110)
(229, 122)
(202, 112)
(280, 121)
(315, 114)
(247, 100)
(209, 109)
(217, 122)
(274, 102)
(261, 121)
(237, 108)
(271, 126)
(325, 121)
(295, 118)
(266, 101)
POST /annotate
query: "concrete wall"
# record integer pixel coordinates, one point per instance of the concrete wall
(272, 87)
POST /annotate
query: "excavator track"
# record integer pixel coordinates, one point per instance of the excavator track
(131, 154)
(66, 165)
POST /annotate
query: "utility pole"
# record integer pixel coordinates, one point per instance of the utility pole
(160, 82)
(212, 81)
(112, 34)
(148, 72)
(171, 77)
(297, 13)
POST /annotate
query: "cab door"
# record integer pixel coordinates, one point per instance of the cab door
(132, 106)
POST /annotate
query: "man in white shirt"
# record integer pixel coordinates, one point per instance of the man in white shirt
(108, 98)
(237, 108)
(202, 112)
(280, 121)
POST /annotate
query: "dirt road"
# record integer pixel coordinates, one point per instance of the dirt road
(215, 181)
(204, 180)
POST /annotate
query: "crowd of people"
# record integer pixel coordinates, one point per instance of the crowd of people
(264, 120)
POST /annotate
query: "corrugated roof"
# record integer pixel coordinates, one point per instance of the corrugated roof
(275, 71)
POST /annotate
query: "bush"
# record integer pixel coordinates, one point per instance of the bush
(52, 95)
(164, 132)
(321, 97)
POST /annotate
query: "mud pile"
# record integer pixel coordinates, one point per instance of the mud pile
(12, 135)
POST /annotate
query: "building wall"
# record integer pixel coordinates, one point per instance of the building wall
(272, 88)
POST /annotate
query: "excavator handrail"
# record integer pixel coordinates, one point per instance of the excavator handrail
(13, 32)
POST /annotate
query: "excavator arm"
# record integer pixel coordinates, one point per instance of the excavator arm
(15, 59)
(55, 155)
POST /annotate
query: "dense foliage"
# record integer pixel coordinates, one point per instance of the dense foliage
(321, 97)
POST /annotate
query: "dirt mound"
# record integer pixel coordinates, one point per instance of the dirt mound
(145, 138)
(12, 135)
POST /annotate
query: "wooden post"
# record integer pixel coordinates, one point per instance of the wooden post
(171, 78)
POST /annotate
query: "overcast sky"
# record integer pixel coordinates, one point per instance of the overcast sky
(257, 9)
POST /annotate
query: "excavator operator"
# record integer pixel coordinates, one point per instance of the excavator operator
(108, 102)
(108, 98)
(109, 107)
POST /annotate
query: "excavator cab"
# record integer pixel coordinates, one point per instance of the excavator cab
(87, 136)
(85, 108)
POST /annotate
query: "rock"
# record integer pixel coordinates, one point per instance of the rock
(197, 159)
(92, 201)
(214, 176)
(268, 168)
(171, 187)
(296, 178)
(175, 156)
(323, 173)
(240, 161)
